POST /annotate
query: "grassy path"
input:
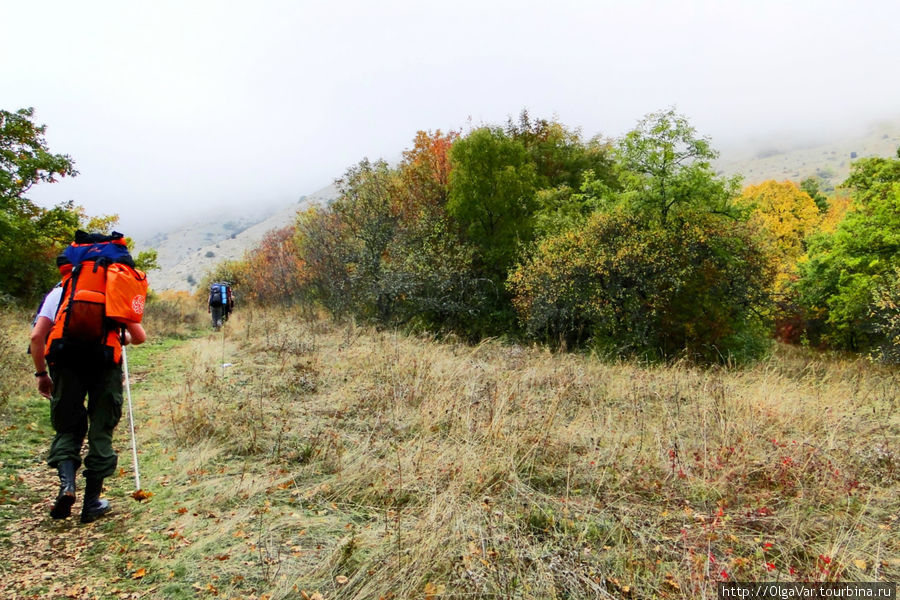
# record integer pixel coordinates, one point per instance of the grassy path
(46, 558)
(218, 523)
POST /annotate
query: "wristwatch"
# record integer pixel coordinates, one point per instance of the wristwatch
(40, 373)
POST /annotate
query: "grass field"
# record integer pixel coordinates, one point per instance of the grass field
(297, 458)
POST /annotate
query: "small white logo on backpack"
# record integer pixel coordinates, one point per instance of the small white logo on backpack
(137, 305)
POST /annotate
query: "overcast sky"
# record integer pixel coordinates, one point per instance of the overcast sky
(174, 107)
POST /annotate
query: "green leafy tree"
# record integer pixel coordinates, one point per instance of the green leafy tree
(563, 208)
(147, 260)
(367, 211)
(492, 196)
(846, 267)
(811, 186)
(667, 171)
(561, 156)
(30, 236)
(24, 158)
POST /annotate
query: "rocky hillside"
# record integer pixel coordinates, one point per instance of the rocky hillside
(187, 253)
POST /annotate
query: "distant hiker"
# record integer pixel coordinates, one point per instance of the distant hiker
(220, 302)
(78, 333)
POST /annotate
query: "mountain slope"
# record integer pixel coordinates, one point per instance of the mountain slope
(188, 253)
(828, 160)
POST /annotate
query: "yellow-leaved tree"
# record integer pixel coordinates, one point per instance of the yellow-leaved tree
(785, 215)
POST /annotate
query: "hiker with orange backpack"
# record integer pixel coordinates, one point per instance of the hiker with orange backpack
(78, 334)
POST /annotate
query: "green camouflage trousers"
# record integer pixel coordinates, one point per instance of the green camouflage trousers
(72, 420)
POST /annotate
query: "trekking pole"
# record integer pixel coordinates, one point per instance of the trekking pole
(138, 493)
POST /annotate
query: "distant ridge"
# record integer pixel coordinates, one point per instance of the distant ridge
(187, 253)
(828, 160)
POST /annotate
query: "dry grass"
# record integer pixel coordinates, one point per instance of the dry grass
(365, 464)
(15, 363)
(173, 314)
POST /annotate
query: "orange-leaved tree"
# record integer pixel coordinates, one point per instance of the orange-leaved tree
(273, 272)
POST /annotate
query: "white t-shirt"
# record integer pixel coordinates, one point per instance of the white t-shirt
(51, 304)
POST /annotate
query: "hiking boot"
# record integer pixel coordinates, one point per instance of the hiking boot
(94, 506)
(62, 507)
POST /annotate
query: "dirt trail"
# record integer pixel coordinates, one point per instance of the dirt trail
(43, 555)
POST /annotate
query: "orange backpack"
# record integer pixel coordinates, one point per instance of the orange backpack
(101, 292)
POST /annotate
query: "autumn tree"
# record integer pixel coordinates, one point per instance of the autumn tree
(885, 315)
(322, 244)
(433, 263)
(425, 175)
(786, 216)
(273, 272)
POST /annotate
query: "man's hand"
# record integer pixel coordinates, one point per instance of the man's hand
(45, 385)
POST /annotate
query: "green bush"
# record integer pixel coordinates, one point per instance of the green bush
(688, 289)
(845, 268)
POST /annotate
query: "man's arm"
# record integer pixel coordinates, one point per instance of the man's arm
(39, 334)
(135, 334)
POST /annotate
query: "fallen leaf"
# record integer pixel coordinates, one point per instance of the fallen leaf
(341, 579)
(141, 495)
(139, 574)
(860, 564)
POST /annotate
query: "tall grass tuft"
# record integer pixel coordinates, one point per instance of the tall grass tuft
(172, 314)
(15, 367)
